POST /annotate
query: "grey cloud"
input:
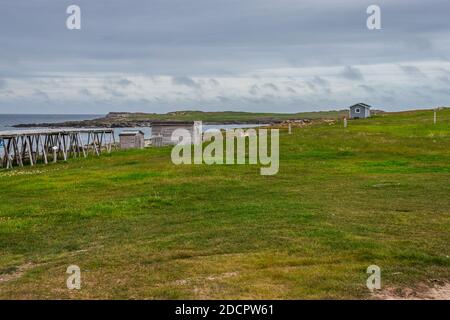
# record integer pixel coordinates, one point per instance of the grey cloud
(420, 44)
(320, 81)
(386, 100)
(441, 91)
(412, 71)
(311, 85)
(145, 101)
(113, 92)
(85, 92)
(291, 90)
(185, 81)
(224, 99)
(214, 82)
(41, 94)
(352, 73)
(271, 86)
(444, 79)
(124, 82)
(367, 88)
(254, 90)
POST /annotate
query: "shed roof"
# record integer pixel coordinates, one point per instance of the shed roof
(131, 132)
(363, 105)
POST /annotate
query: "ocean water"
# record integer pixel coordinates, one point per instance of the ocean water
(8, 120)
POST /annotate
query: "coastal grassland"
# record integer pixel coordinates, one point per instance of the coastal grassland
(377, 192)
(236, 116)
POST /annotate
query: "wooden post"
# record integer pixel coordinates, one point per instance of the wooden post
(114, 140)
(101, 140)
(21, 146)
(345, 122)
(94, 141)
(34, 148)
(55, 154)
(80, 141)
(44, 151)
(435, 116)
(74, 148)
(10, 157)
(62, 143)
(108, 145)
(7, 157)
(290, 128)
(28, 145)
(17, 152)
(88, 146)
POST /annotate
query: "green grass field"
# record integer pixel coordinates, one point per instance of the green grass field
(138, 226)
(225, 116)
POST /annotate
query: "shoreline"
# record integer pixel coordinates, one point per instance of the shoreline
(134, 124)
(133, 120)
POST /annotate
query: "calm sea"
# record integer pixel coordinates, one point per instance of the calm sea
(8, 120)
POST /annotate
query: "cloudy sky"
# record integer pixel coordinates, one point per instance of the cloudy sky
(252, 55)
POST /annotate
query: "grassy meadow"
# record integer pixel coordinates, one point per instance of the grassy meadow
(235, 116)
(377, 192)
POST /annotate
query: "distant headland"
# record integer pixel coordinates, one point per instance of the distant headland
(140, 119)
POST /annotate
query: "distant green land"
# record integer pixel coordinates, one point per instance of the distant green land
(136, 119)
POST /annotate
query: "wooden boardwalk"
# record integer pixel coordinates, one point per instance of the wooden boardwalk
(22, 147)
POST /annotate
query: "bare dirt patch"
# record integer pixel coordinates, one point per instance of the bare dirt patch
(15, 274)
(421, 292)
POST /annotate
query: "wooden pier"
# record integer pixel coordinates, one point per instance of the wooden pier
(22, 147)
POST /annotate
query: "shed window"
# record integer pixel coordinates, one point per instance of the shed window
(357, 110)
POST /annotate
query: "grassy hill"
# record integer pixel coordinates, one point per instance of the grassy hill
(138, 226)
(232, 116)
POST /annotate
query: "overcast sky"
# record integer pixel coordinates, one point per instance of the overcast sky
(251, 55)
